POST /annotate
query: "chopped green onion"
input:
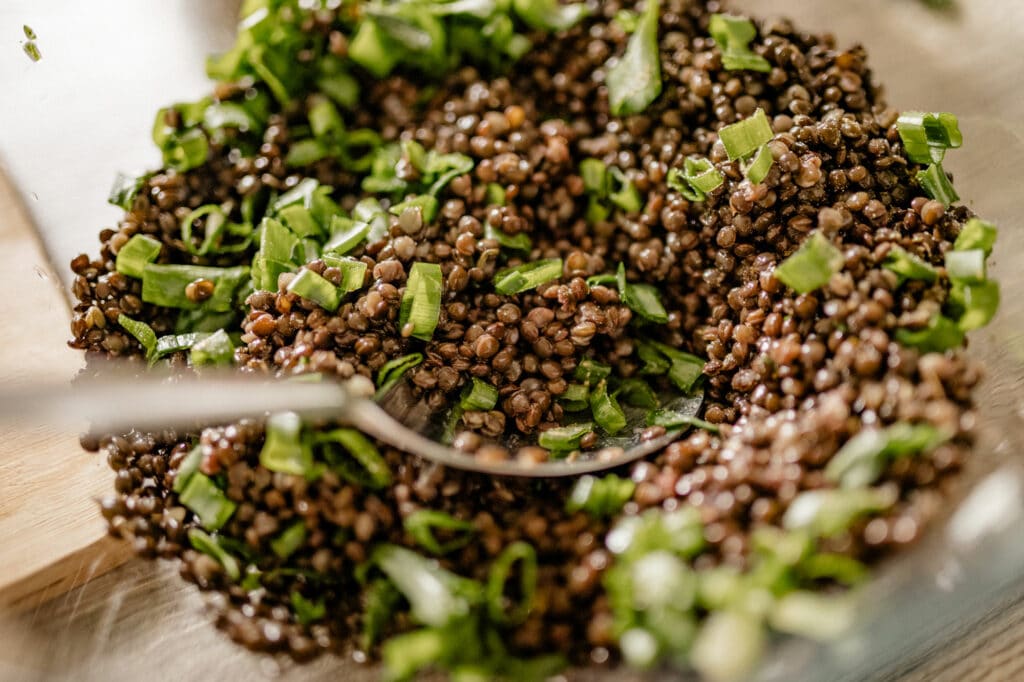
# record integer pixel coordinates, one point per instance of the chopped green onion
(600, 497)
(976, 234)
(207, 501)
(324, 119)
(527, 276)
(429, 589)
(302, 193)
(564, 438)
(733, 36)
(353, 272)
(421, 524)
(136, 253)
(811, 266)
(300, 221)
(290, 539)
(940, 335)
(337, 83)
(967, 267)
(346, 234)
(827, 513)
(606, 410)
(380, 601)
(426, 204)
(927, 136)
(375, 473)
(393, 370)
(937, 185)
(679, 531)
(497, 607)
(313, 287)
(420, 308)
(215, 224)
(187, 150)
(495, 195)
(207, 544)
(142, 332)
(165, 285)
(221, 115)
(175, 343)
(684, 369)
(591, 371)
(635, 81)
(597, 212)
(203, 321)
(406, 654)
(478, 395)
(517, 242)
(672, 419)
(636, 393)
(756, 170)
(595, 176)
(622, 192)
(602, 280)
(862, 459)
(125, 189)
(909, 266)
(550, 15)
(307, 612)
(188, 467)
(747, 136)
(215, 349)
(626, 19)
(642, 299)
(978, 302)
(373, 50)
(702, 177)
(576, 398)
(655, 362)
(287, 449)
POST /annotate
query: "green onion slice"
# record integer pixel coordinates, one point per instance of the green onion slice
(517, 242)
(862, 459)
(927, 136)
(353, 272)
(976, 234)
(216, 223)
(636, 393)
(591, 371)
(811, 266)
(346, 234)
(564, 438)
(307, 612)
(373, 470)
(125, 189)
(622, 192)
(525, 556)
(978, 303)
(136, 253)
(940, 335)
(207, 501)
(289, 540)
(826, 513)
(635, 81)
(967, 266)
(421, 524)
(432, 592)
(215, 349)
(733, 36)
(478, 395)
(937, 185)
(909, 266)
(642, 299)
(421, 302)
(684, 370)
(314, 287)
(208, 544)
(187, 468)
(527, 276)
(606, 410)
(747, 136)
(576, 398)
(287, 449)
(655, 362)
(550, 15)
(142, 332)
(595, 177)
(756, 170)
(671, 419)
(165, 285)
(393, 370)
(601, 497)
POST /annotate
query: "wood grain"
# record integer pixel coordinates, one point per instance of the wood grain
(53, 535)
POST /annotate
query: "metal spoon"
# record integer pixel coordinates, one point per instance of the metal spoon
(114, 402)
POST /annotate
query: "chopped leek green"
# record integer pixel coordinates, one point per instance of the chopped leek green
(862, 459)
(207, 501)
(564, 438)
(811, 266)
(346, 234)
(478, 395)
(601, 497)
(307, 612)
(208, 544)
(976, 234)
(125, 189)
(940, 335)
(747, 136)
(756, 169)
(373, 470)
(576, 398)
(635, 80)
(313, 287)
(937, 185)
(909, 266)
(550, 15)
(498, 609)
(165, 285)
(420, 308)
(136, 253)
(622, 192)
(590, 372)
(967, 267)
(636, 393)
(642, 299)
(187, 468)
(517, 242)
(421, 524)
(215, 349)
(927, 136)
(977, 302)
(216, 224)
(527, 276)
(606, 410)
(142, 332)
(289, 540)
(287, 449)
(595, 176)
(671, 419)
(733, 36)
(393, 370)
(826, 513)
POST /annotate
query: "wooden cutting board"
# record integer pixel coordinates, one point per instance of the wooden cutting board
(52, 533)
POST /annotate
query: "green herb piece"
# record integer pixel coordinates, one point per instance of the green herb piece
(433, 593)
(527, 276)
(204, 321)
(421, 524)
(142, 332)
(747, 136)
(187, 150)
(976, 234)
(287, 449)
(207, 501)
(307, 612)
(564, 438)
(420, 308)
(635, 81)
(967, 267)
(175, 343)
(622, 192)
(216, 224)
(655, 362)
(862, 459)
(672, 419)
(393, 370)
(208, 544)
(498, 609)
(927, 136)
(300, 221)
(595, 176)
(636, 393)
(684, 369)
(32, 50)
(697, 179)
(627, 20)
(221, 115)
(517, 242)
(125, 189)
(313, 287)
(940, 335)
(346, 234)
(550, 15)
(936, 184)
(373, 470)
(426, 204)
(602, 280)
(353, 272)
(642, 299)
(977, 303)
(373, 50)
(679, 531)
(909, 266)
(733, 36)
(496, 195)
(827, 513)
(340, 86)
(812, 615)
(324, 119)
(289, 540)
(408, 653)
(756, 169)
(188, 467)
(600, 497)
(136, 253)
(811, 266)
(590, 372)
(576, 398)
(215, 349)
(606, 410)
(381, 600)
(478, 395)
(165, 285)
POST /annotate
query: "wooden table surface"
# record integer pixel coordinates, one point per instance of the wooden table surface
(61, 143)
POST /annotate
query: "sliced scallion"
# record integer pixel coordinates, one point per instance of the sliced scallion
(622, 192)
(289, 540)
(353, 272)
(136, 253)
(978, 303)
(314, 287)
(208, 544)
(756, 169)
(426, 204)
(422, 524)
(826, 513)
(420, 308)
(655, 362)
(564, 438)
(550, 15)
(966, 266)
(393, 370)
(525, 556)
(188, 467)
(427, 587)
(207, 501)
(642, 299)
(635, 81)
(215, 349)
(747, 136)
(940, 335)
(527, 276)
(671, 419)
(936, 184)
(601, 497)
(862, 459)
(125, 189)
(606, 410)
(636, 393)
(165, 285)
(176, 343)
(926, 136)
(733, 36)
(576, 398)
(300, 221)
(595, 176)
(685, 370)
(517, 242)
(346, 234)
(976, 234)
(590, 372)
(373, 470)
(142, 332)
(909, 266)
(307, 611)
(811, 266)
(478, 395)
(287, 448)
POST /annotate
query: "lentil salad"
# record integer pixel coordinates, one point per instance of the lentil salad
(835, 424)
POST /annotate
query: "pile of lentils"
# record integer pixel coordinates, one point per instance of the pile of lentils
(788, 377)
